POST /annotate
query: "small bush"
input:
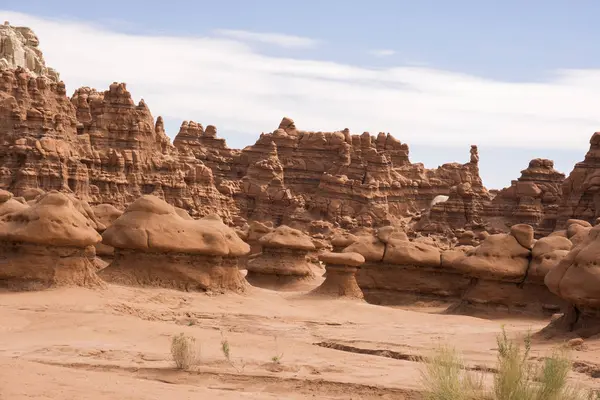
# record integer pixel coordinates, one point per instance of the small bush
(226, 350)
(445, 376)
(185, 351)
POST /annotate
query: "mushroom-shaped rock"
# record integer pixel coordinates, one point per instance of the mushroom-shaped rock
(500, 256)
(155, 246)
(341, 275)
(283, 263)
(47, 244)
(286, 237)
(545, 256)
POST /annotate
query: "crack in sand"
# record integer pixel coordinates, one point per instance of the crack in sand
(393, 354)
(263, 383)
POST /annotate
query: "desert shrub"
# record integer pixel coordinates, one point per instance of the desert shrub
(185, 351)
(446, 378)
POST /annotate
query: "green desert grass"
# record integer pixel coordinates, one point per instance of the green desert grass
(445, 376)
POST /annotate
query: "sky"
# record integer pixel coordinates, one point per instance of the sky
(519, 79)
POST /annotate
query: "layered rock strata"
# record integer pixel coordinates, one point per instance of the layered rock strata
(46, 244)
(533, 199)
(341, 275)
(283, 263)
(581, 189)
(155, 246)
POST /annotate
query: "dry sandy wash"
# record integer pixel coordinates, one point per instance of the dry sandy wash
(114, 343)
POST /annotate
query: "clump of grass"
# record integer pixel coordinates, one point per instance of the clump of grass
(446, 378)
(185, 351)
(226, 350)
(276, 359)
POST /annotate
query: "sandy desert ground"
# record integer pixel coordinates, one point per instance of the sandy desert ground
(76, 343)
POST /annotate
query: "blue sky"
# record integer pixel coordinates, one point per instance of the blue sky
(521, 79)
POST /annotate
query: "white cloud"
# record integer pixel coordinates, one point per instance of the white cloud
(382, 52)
(276, 39)
(226, 83)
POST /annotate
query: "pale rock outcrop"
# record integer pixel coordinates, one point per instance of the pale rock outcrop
(19, 48)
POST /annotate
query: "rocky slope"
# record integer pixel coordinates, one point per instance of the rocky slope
(105, 148)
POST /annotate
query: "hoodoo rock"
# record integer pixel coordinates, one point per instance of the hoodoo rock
(576, 279)
(46, 244)
(283, 263)
(341, 275)
(155, 246)
(581, 189)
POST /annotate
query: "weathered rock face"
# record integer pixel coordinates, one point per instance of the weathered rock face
(104, 148)
(576, 279)
(283, 263)
(19, 48)
(46, 244)
(494, 274)
(533, 199)
(155, 246)
(581, 189)
(466, 197)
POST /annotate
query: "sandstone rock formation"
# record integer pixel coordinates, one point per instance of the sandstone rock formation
(283, 262)
(581, 189)
(576, 279)
(155, 246)
(104, 148)
(533, 199)
(341, 275)
(19, 48)
(106, 214)
(493, 274)
(46, 244)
